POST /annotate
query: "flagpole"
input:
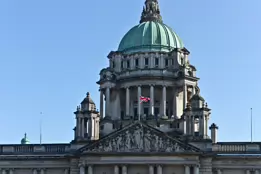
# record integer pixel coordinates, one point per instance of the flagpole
(139, 110)
(251, 126)
(40, 127)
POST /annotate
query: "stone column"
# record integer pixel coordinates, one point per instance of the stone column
(192, 125)
(90, 170)
(101, 103)
(42, 171)
(124, 170)
(164, 100)
(139, 103)
(184, 96)
(83, 127)
(248, 172)
(34, 171)
(206, 125)
(219, 171)
(257, 171)
(159, 169)
(151, 169)
(151, 100)
(66, 171)
(196, 170)
(187, 170)
(127, 101)
(107, 106)
(11, 171)
(174, 103)
(78, 126)
(116, 169)
(202, 125)
(82, 169)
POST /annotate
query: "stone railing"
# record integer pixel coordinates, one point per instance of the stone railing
(237, 147)
(34, 148)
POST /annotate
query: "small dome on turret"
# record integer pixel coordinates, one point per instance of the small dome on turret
(25, 140)
(197, 97)
(87, 99)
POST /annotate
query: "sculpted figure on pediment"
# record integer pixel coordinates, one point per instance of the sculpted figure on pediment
(137, 139)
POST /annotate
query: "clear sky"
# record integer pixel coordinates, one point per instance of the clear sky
(51, 53)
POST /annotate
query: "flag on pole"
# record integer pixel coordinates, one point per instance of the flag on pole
(144, 99)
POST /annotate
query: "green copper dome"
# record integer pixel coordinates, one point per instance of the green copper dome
(150, 36)
(25, 140)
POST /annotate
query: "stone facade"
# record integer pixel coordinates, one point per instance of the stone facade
(166, 134)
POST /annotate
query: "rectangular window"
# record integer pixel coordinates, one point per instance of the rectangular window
(136, 62)
(166, 62)
(128, 64)
(113, 64)
(156, 62)
(146, 62)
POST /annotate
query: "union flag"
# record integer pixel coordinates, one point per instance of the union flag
(144, 99)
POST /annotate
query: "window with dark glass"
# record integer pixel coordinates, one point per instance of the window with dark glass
(146, 61)
(166, 62)
(128, 64)
(136, 62)
(156, 61)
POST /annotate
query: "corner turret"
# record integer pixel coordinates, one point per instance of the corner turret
(87, 121)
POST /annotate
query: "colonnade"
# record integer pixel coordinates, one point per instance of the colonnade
(84, 126)
(139, 88)
(151, 168)
(252, 171)
(34, 171)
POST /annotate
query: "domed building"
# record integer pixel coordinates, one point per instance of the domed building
(151, 119)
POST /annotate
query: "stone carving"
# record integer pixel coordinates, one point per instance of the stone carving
(137, 138)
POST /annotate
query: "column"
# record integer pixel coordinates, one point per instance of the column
(219, 171)
(34, 171)
(127, 101)
(187, 170)
(83, 127)
(138, 99)
(247, 171)
(11, 171)
(78, 126)
(116, 169)
(151, 100)
(124, 170)
(90, 171)
(107, 107)
(164, 100)
(192, 125)
(257, 171)
(159, 169)
(201, 125)
(82, 169)
(196, 170)
(151, 169)
(101, 103)
(174, 102)
(206, 125)
(66, 171)
(184, 96)
(193, 90)
(42, 171)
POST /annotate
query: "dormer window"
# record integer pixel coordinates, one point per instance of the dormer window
(156, 62)
(146, 62)
(166, 62)
(137, 63)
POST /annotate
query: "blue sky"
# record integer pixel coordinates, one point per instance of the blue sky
(51, 53)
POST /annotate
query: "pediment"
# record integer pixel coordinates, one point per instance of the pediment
(138, 137)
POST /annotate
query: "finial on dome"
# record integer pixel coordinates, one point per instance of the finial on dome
(88, 94)
(151, 12)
